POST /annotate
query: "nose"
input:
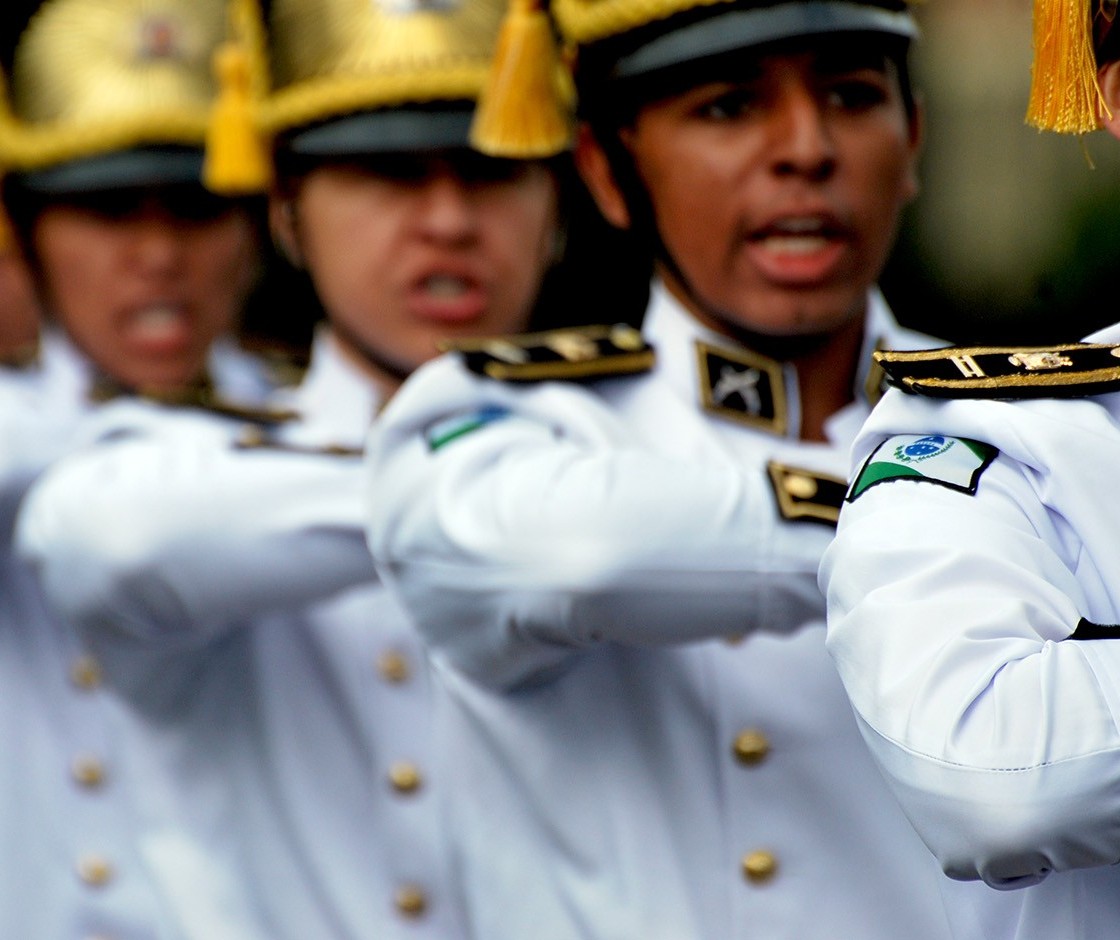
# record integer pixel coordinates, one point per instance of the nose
(448, 213)
(157, 245)
(804, 145)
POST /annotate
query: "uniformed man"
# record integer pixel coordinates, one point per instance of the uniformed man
(971, 615)
(222, 572)
(610, 541)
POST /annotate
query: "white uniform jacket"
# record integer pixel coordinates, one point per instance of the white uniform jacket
(278, 696)
(970, 596)
(636, 686)
(66, 793)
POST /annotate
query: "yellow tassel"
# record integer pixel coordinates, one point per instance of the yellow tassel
(525, 109)
(1065, 96)
(237, 158)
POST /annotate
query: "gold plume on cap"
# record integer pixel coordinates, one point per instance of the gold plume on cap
(334, 57)
(96, 76)
(525, 109)
(1065, 96)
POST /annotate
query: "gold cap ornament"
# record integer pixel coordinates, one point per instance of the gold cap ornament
(375, 76)
(106, 93)
(712, 27)
(1065, 96)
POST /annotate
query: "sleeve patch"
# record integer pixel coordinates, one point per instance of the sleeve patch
(953, 462)
(460, 425)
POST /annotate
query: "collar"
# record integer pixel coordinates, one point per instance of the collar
(338, 402)
(738, 384)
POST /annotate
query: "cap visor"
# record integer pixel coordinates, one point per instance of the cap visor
(743, 28)
(126, 168)
(396, 130)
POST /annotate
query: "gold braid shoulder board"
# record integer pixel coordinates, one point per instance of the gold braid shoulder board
(1075, 370)
(574, 354)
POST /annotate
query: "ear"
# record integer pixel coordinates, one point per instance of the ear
(595, 170)
(917, 141)
(282, 225)
(1108, 76)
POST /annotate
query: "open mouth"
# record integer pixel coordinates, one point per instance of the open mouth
(798, 250)
(446, 297)
(159, 326)
(797, 236)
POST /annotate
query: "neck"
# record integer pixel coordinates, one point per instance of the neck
(825, 363)
(386, 376)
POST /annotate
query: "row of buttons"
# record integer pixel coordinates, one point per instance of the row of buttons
(750, 748)
(405, 778)
(88, 771)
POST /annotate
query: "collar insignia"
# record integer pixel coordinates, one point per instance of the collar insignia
(805, 495)
(743, 386)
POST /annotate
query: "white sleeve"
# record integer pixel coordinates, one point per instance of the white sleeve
(549, 528)
(949, 621)
(177, 533)
(32, 436)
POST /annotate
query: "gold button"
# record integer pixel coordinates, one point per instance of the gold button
(760, 866)
(87, 771)
(751, 747)
(800, 486)
(95, 870)
(411, 900)
(393, 666)
(405, 777)
(85, 673)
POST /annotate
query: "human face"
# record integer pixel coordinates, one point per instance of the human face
(406, 252)
(777, 193)
(144, 283)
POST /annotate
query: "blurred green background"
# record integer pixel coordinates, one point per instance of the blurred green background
(1015, 234)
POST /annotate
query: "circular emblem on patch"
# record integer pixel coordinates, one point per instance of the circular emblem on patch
(922, 449)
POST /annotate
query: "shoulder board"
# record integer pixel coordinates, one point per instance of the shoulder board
(1070, 371)
(805, 495)
(575, 354)
(207, 401)
(253, 437)
(201, 397)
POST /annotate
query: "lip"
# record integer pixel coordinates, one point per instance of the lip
(798, 249)
(448, 295)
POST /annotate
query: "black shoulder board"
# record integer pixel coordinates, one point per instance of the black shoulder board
(254, 437)
(1071, 371)
(807, 495)
(215, 404)
(578, 353)
(201, 396)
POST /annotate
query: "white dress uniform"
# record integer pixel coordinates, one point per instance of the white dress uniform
(971, 592)
(223, 578)
(632, 655)
(67, 824)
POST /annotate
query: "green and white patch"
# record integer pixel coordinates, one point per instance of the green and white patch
(954, 462)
